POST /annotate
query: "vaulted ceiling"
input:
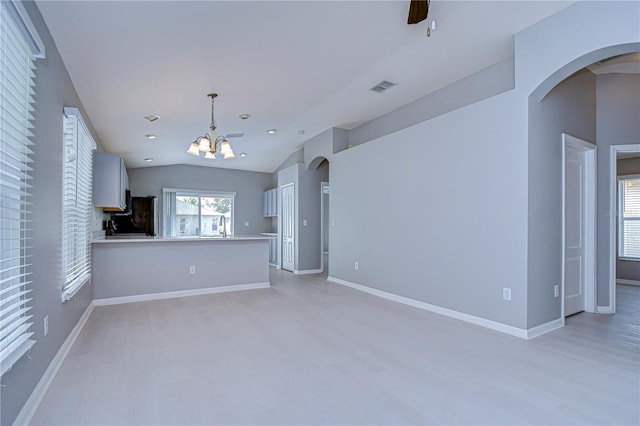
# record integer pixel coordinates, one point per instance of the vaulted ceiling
(292, 65)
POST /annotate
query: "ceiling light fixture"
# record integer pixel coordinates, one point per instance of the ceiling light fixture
(150, 136)
(271, 131)
(152, 117)
(209, 143)
(148, 160)
(244, 116)
(243, 154)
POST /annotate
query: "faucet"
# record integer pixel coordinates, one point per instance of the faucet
(223, 223)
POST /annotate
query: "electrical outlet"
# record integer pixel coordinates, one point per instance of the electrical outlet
(506, 293)
(355, 265)
(304, 222)
(246, 223)
(46, 325)
(556, 290)
(192, 269)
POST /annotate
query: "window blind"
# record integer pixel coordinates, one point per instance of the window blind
(629, 218)
(77, 205)
(16, 106)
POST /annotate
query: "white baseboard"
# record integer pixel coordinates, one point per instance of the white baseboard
(180, 293)
(307, 271)
(604, 310)
(30, 407)
(493, 325)
(545, 328)
(627, 282)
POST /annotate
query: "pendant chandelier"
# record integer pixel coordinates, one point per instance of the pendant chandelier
(211, 142)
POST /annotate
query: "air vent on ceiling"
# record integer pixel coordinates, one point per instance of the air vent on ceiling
(234, 135)
(382, 86)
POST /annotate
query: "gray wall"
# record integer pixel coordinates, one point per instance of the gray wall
(54, 90)
(569, 108)
(412, 206)
(618, 124)
(248, 187)
(483, 84)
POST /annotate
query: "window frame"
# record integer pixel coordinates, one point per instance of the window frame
(169, 210)
(621, 255)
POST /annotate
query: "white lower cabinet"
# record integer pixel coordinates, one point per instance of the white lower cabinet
(273, 251)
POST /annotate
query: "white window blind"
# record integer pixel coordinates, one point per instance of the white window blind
(77, 205)
(629, 218)
(16, 98)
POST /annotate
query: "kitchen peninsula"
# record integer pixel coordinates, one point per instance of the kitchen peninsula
(137, 269)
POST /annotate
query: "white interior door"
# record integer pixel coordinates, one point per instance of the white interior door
(288, 227)
(579, 226)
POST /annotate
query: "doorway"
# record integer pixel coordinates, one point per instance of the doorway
(617, 151)
(579, 226)
(287, 195)
(324, 226)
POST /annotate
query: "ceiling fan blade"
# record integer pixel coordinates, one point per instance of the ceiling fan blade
(418, 11)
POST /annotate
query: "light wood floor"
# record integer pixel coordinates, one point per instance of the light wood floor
(311, 352)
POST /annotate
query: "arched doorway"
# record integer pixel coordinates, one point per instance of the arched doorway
(546, 178)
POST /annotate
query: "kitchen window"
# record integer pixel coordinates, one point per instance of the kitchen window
(19, 47)
(629, 217)
(194, 213)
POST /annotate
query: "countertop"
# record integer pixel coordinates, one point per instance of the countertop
(126, 239)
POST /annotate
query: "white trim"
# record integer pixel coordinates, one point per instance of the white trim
(604, 310)
(307, 271)
(483, 322)
(545, 328)
(29, 408)
(591, 168)
(179, 293)
(627, 282)
(613, 191)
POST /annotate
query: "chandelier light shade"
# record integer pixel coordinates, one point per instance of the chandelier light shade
(209, 143)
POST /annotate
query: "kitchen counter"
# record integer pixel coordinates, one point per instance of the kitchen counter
(134, 269)
(144, 239)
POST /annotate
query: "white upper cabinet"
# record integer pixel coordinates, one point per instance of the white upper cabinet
(110, 182)
(270, 203)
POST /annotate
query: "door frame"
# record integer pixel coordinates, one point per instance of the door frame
(323, 185)
(590, 151)
(613, 219)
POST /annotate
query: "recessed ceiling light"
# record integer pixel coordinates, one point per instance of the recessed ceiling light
(244, 116)
(271, 131)
(301, 132)
(150, 136)
(243, 154)
(148, 160)
(152, 117)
